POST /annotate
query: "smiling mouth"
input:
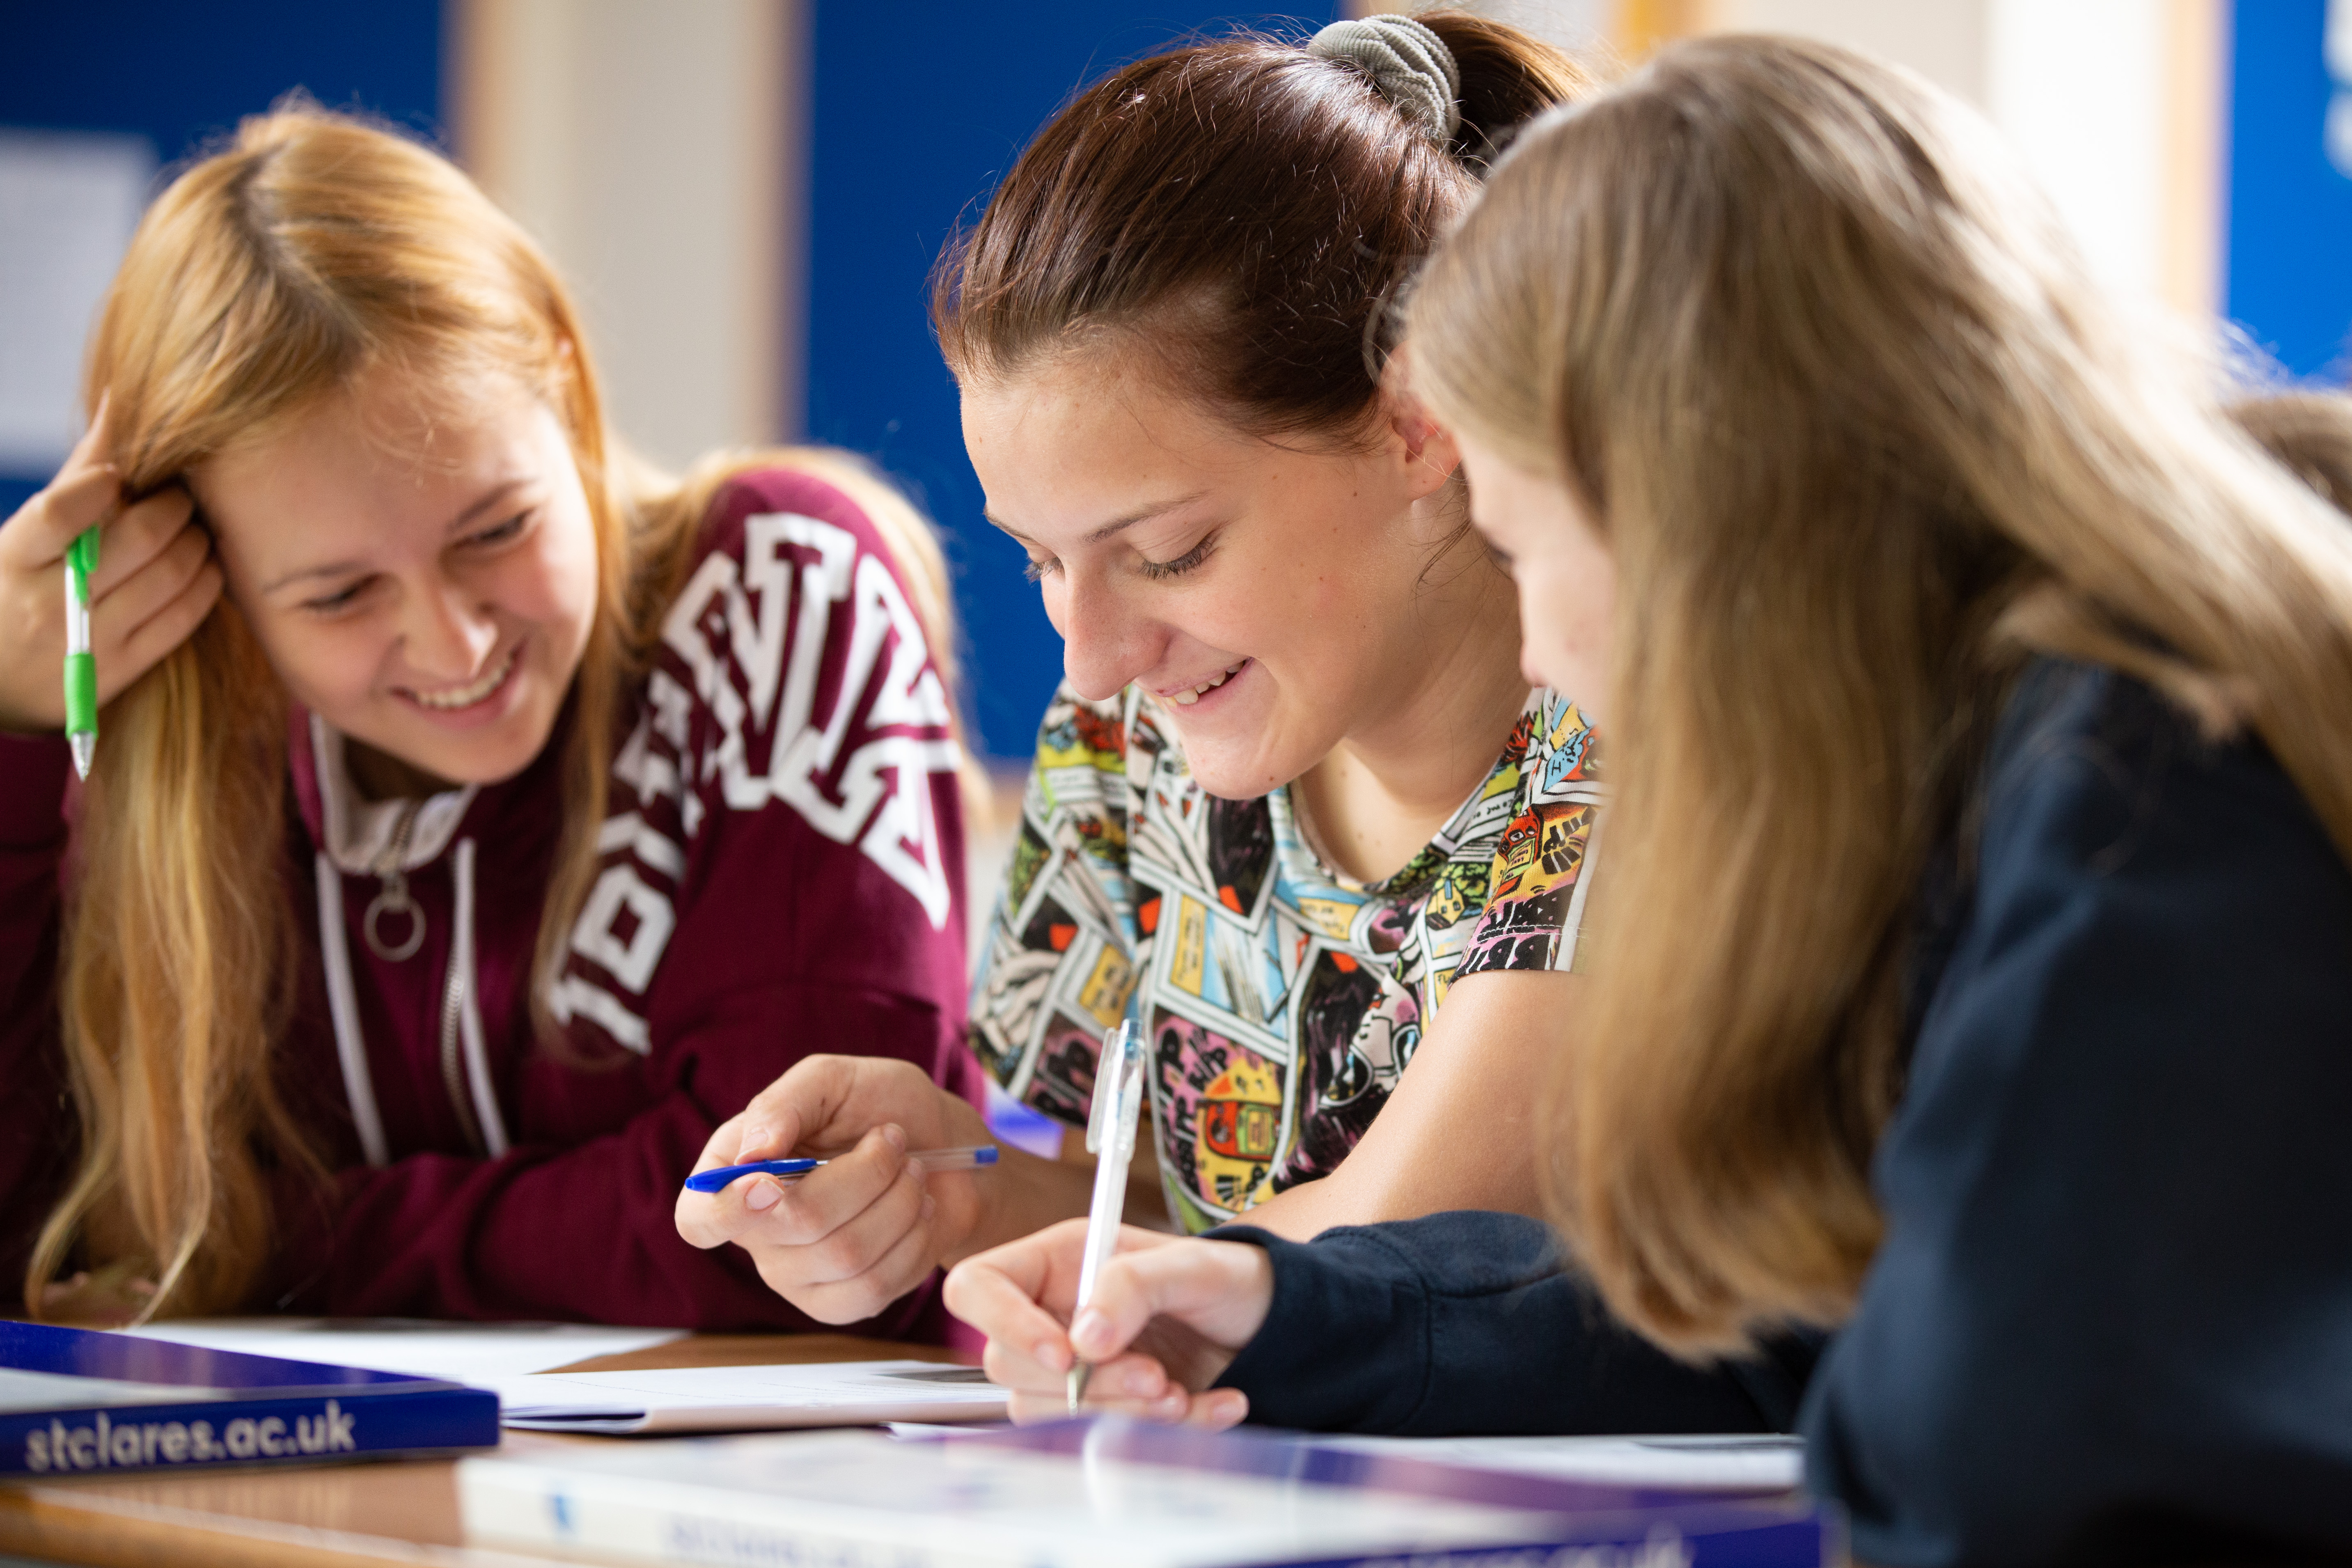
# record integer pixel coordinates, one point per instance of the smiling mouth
(1192, 694)
(466, 696)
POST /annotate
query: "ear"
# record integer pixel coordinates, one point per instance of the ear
(1426, 448)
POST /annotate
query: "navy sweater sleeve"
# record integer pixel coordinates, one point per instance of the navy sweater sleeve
(1471, 1323)
(2112, 1318)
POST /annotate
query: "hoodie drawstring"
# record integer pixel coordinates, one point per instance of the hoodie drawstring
(465, 1057)
(350, 1049)
(461, 1019)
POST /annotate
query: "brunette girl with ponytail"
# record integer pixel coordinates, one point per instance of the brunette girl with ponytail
(478, 817)
(1295, 811)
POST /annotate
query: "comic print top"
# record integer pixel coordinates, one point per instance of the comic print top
(1282, 1000)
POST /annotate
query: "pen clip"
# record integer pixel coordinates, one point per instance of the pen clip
(1117, 1089)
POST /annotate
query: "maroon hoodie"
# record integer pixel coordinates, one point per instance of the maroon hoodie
(780, 875)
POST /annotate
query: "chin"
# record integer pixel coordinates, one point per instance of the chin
(495, 760)
(1236, 777)
(487, 756)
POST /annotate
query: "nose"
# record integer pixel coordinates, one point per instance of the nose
(447, 632)
(1105, 643)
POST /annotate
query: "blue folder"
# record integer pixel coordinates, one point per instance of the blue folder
(77, 1401)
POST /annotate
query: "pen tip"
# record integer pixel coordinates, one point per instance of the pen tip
(83, 746)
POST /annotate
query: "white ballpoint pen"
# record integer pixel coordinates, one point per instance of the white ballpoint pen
(1110, 1139)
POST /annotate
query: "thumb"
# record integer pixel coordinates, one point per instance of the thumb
(1220, 1290)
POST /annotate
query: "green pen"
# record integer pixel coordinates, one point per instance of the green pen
(81, 667)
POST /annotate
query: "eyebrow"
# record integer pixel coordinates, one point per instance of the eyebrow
(1143, 514)
(490, 500)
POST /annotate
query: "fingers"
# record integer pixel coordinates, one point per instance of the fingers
(1133, 1386)
(769, 1127)
(1018, 1295)
(875, 1283)
(698, 1217)
(826, 1102)
(1004, 1292)
(1221, 1290)
(153, 612)
(764, 1211)
(137, 535)
(843, 1216)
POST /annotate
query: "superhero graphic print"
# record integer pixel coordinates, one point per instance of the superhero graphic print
(1281, 1001)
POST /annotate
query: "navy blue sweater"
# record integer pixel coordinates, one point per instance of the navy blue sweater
(2112, 1320)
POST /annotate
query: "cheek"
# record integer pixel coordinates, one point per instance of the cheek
(1053, 589)
(1290, 609)
(1565, 631)
(330, 668)
(554, 584)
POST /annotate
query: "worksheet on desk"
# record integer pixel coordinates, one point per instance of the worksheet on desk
(481, 1354)
(746, 1398)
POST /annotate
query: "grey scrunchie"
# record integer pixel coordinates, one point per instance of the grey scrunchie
(1410, 66)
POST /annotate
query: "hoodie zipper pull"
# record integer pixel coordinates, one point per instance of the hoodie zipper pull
(394, 899)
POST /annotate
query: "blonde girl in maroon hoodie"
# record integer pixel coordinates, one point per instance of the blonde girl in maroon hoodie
(478, 820)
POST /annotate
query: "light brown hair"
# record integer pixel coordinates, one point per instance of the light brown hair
(1861, 434)
(2310, 433)
(315, 251)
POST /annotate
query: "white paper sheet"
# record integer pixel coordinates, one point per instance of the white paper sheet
(477, 1353)
(742, 1398)
(1732, 1461)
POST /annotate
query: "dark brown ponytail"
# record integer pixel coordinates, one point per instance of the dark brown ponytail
(1242, 208)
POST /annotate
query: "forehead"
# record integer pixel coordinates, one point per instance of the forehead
(372, 454)
(1085, 433)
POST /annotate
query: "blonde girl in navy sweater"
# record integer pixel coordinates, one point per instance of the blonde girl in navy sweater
(1979, 979)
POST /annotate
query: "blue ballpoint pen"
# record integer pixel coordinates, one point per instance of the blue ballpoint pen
(976, 1158)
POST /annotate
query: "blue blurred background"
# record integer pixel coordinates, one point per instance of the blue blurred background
(893, 122)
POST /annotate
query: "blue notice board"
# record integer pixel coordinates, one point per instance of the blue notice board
(2290, 182)
(182, 75)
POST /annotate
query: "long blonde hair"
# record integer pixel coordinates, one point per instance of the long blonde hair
(1861, 434)
(316, 250)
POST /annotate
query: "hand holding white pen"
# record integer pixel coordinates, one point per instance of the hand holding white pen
(1110, 1139)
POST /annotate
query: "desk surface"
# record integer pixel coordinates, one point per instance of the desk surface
(340, 1516)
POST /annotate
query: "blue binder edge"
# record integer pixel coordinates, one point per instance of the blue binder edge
(282, 1411)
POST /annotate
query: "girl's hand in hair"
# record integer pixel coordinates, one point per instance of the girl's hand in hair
(843, 1242)
(1168, 1315)
(156, 581)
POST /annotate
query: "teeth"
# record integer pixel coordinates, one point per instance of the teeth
(1187, 698)
(467, 696)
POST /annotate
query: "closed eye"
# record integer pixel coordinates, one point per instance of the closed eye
(331, 604)
(1158, 571)
(1036, 568)
(499, 533)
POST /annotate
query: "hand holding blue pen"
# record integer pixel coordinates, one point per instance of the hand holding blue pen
(978, 1157)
